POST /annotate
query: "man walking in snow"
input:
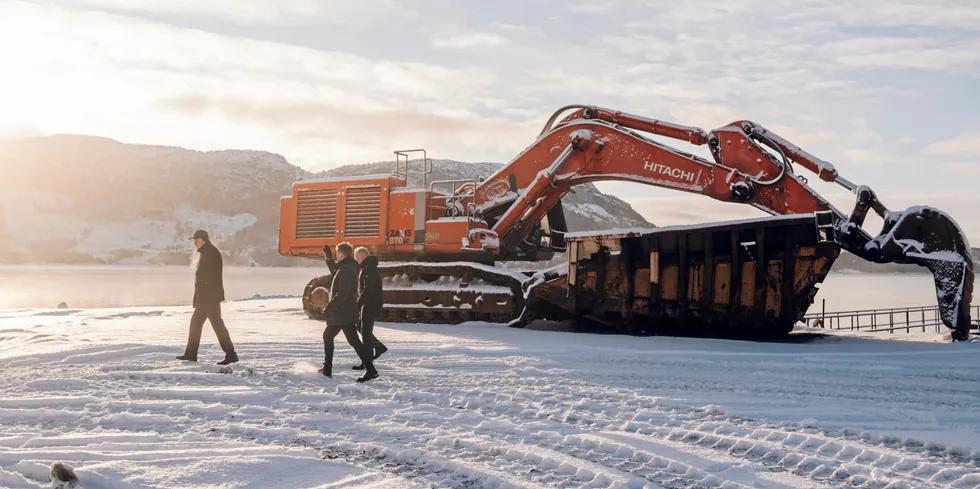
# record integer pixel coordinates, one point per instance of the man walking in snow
(209, 292)
(341, 312)
(370, 302)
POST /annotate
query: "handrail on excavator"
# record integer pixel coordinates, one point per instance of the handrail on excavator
(426, 165)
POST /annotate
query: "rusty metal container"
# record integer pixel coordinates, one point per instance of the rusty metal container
(739, 279)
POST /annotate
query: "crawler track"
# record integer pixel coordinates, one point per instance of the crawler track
(437, 293)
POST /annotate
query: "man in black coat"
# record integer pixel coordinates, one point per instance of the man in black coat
(342, 312)
(370, 301)
(209, 292)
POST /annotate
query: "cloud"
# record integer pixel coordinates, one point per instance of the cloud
(250, 12)
(963, 169)
(963, 146)
(81, 73)
(18, 131)
(923, 13)
(895, 52)
(587, 8)
(471, 40)
(377, 131)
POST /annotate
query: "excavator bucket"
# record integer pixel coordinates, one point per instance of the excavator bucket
(931, 238)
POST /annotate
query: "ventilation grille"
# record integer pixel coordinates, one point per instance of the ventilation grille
(362, 215)
(316, 214)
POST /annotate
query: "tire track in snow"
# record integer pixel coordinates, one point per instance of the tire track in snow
(540, 455)
(480, 457)
(935, 452)
(865, 469)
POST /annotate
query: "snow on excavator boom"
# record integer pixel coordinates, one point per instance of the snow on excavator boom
(516, 214)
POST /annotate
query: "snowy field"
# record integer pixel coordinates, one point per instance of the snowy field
(475, 406)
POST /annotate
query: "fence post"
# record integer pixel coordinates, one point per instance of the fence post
(908, 326)
(823, 309)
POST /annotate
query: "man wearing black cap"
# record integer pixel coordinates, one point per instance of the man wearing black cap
(209, 292)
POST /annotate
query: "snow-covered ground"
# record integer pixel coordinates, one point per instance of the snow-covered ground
(475, 406)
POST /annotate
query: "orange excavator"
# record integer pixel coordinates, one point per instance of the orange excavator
(439, 241)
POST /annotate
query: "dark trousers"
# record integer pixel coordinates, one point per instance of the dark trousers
(372, 342)
(350, 332)
(212, 313)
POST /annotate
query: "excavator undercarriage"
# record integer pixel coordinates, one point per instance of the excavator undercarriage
(439, 241)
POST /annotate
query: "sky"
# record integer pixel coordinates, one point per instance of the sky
(889, 92)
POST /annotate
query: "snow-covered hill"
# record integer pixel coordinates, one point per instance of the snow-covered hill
(82, 199)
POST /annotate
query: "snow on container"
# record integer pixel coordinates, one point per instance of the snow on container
(751, 278)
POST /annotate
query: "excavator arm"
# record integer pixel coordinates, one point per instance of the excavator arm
(587, 149)
(595, 144)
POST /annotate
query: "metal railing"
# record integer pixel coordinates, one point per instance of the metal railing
(453, 196)
(910, 319)
(404, 156)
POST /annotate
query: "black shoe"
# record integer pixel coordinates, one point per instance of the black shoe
(380, 351)
(324, 371)
(358, 367)
(188, 358)
(368, 376)
(229, 359)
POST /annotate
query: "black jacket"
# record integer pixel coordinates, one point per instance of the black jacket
(209, 288)
(370, 296)
(342, 308)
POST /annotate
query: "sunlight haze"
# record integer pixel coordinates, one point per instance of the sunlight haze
(886, 91)
(198, 197)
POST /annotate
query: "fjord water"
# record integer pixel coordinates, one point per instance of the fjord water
(120, 286)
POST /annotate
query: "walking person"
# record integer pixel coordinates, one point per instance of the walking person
(370, 302)
(209, 292)
(341, 312)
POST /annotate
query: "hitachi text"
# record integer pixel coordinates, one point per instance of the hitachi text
(666, 170)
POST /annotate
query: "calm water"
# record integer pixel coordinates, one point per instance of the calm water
(103, 286)
(117, 286)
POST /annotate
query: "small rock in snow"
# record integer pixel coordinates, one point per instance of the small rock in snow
(62, 476)
(63, 305)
